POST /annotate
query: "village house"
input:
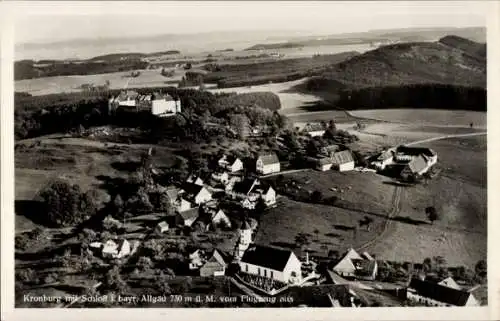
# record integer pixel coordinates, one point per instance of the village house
(434, 294)
(231, 182)
(195, 193)
(329, 150)
(187, 218)
(407, 153)
(221, 177)
(450, 282)
(267, 164)
(354, 265)
(273, 263)
(213, 217)
(176, 201)
(193, 179)
(314, 130)
(215, 265)
(196, 259)
(343, 161)
(324, 164)
(162, 227)
(116, 250)
(250, 190)
(384, 159)
(230, 163)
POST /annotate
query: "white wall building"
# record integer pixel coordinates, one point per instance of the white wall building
(277, 264)
(267, 164)
(434, 294)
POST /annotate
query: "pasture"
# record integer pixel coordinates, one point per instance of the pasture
(428, 117)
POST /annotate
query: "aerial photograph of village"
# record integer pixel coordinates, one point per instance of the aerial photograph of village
(304, 155)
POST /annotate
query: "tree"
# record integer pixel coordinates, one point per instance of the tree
(481, 269)
(144, 263)
(66, 204)
(432, 213)
(199, 226)
(118, 204)
(316, 196)
(427, 264)
(113, 281)
(240, 123)
(161, 282)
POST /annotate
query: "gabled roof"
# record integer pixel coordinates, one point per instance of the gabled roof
(342, 157)
(163, 224)
(245, 225)
(245, 186)
(192, 189)
(417, 164)
(172, 192)
(331, 148)
(269, 159)
(415, 150)
(449, 282)
(346, 261)
(325, 161)
(192, 213)
(385, 155)
(364, 267)
(267, 257)
(314, 127)
(439, 292)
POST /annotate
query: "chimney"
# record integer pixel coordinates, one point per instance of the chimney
(307, 257)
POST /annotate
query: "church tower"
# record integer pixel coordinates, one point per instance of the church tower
(244, 240)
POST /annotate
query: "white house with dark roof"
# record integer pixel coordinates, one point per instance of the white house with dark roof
(215, 265)
(267, 164)
(161, 105)
(162, 227)
(343, 161)
(195, 193)
(314, 130)
(434, 294)
(195, 180)
(273, 263)
(116, 250)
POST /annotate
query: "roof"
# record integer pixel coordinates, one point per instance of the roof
(385, 155)
(191, 188)
(163, 224)
(268, 159)
(245, 186)
(364, 267)
(172, 192)
(331, 148)
(343, 157)
(325, 161)
(245, 225)
(314, 127)
(439, 292)
(417, 164)
(415, 150)
(267, 257)
(192, 213)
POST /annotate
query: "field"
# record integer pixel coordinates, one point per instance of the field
(335, 225)
(427, 117)
(118, 80)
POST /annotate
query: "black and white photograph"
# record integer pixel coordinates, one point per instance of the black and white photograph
(250, 155)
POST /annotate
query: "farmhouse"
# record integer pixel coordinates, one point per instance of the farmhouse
(196, 259)
(434, 294)
(114, 250)
(449, 282)
(273, 263)
(221, 177)
(187, 218)
(215, 265)
(231, 164)
(267, 164)
(356, 266)
(214, 217)
(417, 166)
(250, 190)
(314, 130)
(324, 164)
(343, 161)
(384, 159)
(195, 193)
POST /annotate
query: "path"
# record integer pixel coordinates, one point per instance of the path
(396, 202)
(286, 172)
(444, 137)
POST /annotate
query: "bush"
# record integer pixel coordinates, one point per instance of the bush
(66, 204)
(316, 197)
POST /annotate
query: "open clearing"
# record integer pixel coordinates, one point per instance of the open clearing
(425, 116)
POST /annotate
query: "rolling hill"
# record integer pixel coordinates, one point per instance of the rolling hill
(449, 71)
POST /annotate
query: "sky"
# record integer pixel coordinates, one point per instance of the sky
(44, 22)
